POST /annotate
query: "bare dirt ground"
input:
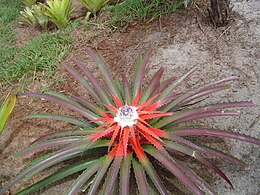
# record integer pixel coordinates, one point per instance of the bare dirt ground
(182, 41)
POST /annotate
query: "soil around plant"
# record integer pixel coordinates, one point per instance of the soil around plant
(182, 40)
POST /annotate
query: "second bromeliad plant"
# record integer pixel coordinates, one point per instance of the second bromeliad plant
(56, 11)
(124, 128)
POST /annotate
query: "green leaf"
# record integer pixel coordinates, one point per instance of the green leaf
(59, 12)
(103, 69)
(49, 143)
(99, 176)
(61, 173)
(86, 185)
(140, 177)
(70, 119)
(139, 72)
(85, 176)
(169, 163)
(93, 6)
(6, 110)
(153, 175)
(112, 175)
(125, 174)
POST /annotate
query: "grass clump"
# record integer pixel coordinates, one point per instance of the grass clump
(40, 54)
(9, 13)
(130, 10)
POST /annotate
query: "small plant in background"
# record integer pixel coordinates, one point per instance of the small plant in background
(42, 19)
(27, 17)
(59, 12)
(34, 16)
(6, 109)
(93, 6)
(29, 3)
(125, 129)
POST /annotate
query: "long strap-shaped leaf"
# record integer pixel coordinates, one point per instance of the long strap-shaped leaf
(43, 164)
(120, 89)
(202, 149)
(173, 85)
(112, 175)
(139, 72)
(103, 69)
(140, 177)
(125, 175)
(64, 97)
(91, 170)
(205, 115)
(78, 101)
(151, 87)
(195, 92)
(147, 165)
(50, 160)
(197, 156)
(100, 174)
(200, 182)
(172, 167)
(84, 83)
(61, 173)
(204, 93)
(126, 90)
(87, 148)
(202, 110)
(215, 133)
(49, 143)
(86, 113)
(75, 132)
(6, 109)
(100, 91)
(70, 119)
(165, 84)
(98, 110)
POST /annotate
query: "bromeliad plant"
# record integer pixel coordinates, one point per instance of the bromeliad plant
(29, 3)
(93, 6)
(59, 12)
(27, 17)
(127, 129)
(34, 16)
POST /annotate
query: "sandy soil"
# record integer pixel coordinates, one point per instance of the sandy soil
(182, 41)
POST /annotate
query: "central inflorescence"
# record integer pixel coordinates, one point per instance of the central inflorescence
(126, 116)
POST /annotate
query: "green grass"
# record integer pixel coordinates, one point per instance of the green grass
(42, 53)
(131, 10)
(9, 12)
